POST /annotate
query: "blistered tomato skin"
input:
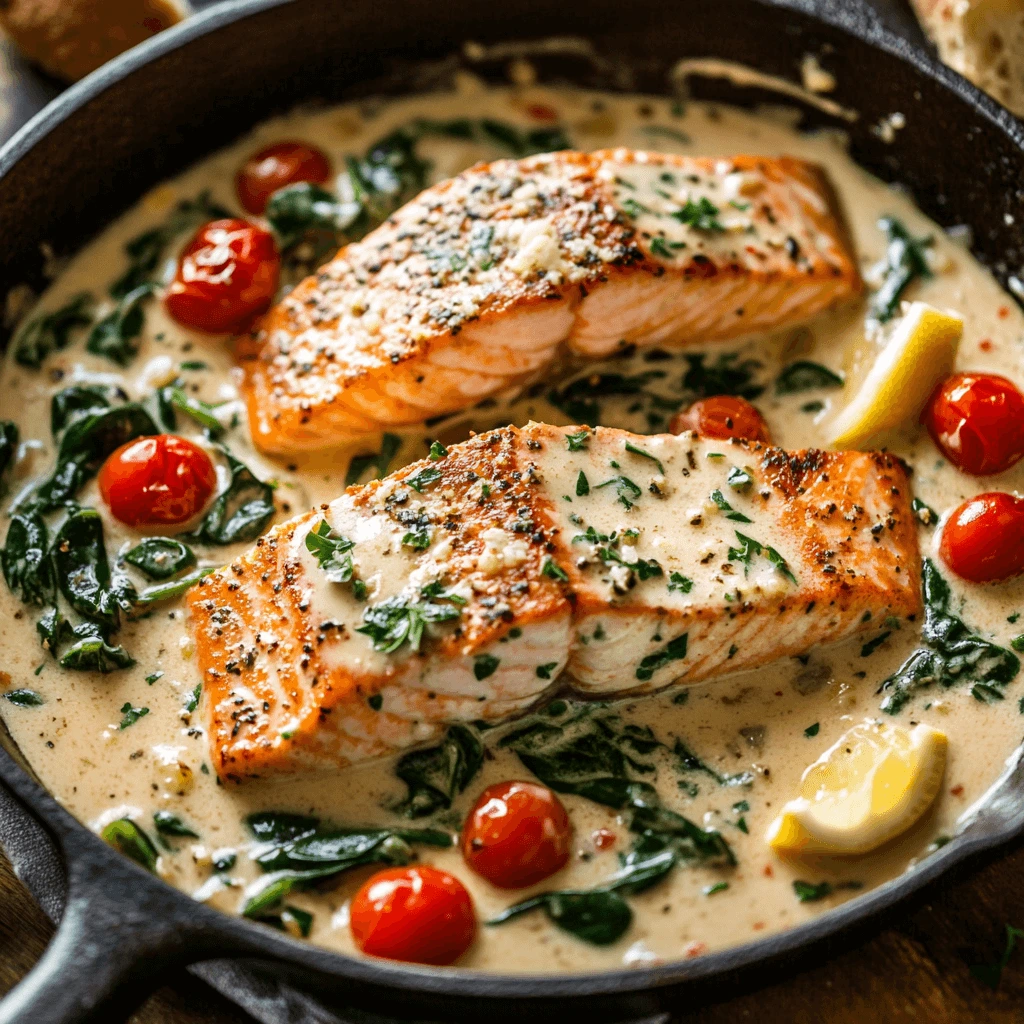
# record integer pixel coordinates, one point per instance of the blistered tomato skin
(417, 914)
(977, 420)
(227, 275)
(983, 540)
(157, 481)
(517, 834)
(284, 163)
(722, 417)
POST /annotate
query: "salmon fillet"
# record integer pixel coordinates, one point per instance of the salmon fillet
(468, 587)
(478, 284)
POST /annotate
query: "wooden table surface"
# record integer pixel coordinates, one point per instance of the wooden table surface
(916, 972)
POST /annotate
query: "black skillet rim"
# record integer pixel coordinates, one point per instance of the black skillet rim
(86, 854)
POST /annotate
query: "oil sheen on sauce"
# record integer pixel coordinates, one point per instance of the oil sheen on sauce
(758, 722)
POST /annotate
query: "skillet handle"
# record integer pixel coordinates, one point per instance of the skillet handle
(118, 940)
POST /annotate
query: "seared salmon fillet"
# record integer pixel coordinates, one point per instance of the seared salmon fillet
(477, 284)
(468, 586)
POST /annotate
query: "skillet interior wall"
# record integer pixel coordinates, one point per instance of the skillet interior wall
(962, 169)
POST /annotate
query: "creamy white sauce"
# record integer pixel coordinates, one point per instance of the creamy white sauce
(102, 772)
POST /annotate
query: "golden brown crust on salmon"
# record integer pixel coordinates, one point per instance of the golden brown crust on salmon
(535, 581)
(476, 284)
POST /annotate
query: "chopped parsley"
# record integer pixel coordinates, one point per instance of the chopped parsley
(625, 489)
(485, 665)
(810, 892)
(645, 455)
(333, 554)
(578, 442)
(701, 215)
(131, 715)
(812, 730)
(680, 584)
(544, 671)
(423, 478)
(739, 479)
(751, 547)
(730, 513)
(582, 485)
(398, 621)
(437, 451)
(554, 571)
(674, 650)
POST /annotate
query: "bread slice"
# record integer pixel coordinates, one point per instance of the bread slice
(983, 40)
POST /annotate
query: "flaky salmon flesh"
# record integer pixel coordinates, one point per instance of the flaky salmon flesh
(470, 585)
(484, 280)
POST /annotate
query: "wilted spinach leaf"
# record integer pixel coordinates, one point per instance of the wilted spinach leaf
(724, 376)
(241, 511)
(70, 403)
(51, 331)
(24, 698)
(115, 336)
(83, 572)
(437, 775)
(26, 561)
(806, 376)
(905, 260)
(297, 851)
(302, 208)
(127, 838)
(389, 445)
(169, 824)
(84, 445)
(160, 558)
(951, 652)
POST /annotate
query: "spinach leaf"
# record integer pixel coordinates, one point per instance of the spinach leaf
(160, 558)
(687, 761)
(598, 916)
(579, 399)
(168, 824)
(951, 653)
(725, 376)
(51, 331)
(92, 653)
(115, 336)
(297, 210)
(8, 444)
(297, 851)
(145, 251)
(84, 446)
(390, 443)
(127, 838)
(202, 412)
(905, 261)
(437, 775)
(83, 572)
(26, 562)
(70, 403)
(24, 698)
(806, 376)
(241, 511)
(172, 588)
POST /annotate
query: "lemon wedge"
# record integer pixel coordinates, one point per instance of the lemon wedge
(919, 354)
(872, 785)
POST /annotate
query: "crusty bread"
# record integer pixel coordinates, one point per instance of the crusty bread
(983, 40)
(70, 38)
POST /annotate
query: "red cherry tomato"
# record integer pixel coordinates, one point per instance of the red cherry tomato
(272, 168)
(977, 419)
(157, 481)
(983, 540)
(722, 417)
(517, 834)
(226, 276)
(418, 914)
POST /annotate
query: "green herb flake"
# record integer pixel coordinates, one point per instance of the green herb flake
(169, 824)
(810, 892)
(812, 730)
(131, 715)
(701, 215)
(674, 650)
(582, 485)
(423, 477)
(873, 644)
(192, 700)
(680, 584)
(710, 890)
(730, 513)
(127, 838)
(554, 571)
(154, 677)
(579, 441)
(740, 479)
(545, 671)
(378, 461)
(437, 451)
(485, 665)
(905, 261)
(24, 698)
(634, 450)
(398, 621)
(926, 515)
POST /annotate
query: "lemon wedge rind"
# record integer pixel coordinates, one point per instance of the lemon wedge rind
(870, 786)
(919, 354)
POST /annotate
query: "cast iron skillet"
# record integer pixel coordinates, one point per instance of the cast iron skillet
(166, 104)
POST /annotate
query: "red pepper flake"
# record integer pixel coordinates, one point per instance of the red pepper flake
(695, 948)
(602, 838)
(1004, 312)
(985, 345)
(769, 871)
(542, 112)
(758, 925)
(778, 693)
(957, 790)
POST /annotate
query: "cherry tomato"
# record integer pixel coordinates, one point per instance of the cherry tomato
(977, 419)
(272, 168)
(226, 275)
(418, 914)
(157, 481)
(722, 417)
(983, 540)
(516, 834)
